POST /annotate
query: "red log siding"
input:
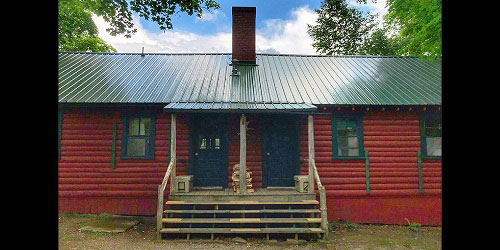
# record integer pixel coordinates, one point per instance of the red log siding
(88, 184)
(392, 140)
(85, 172)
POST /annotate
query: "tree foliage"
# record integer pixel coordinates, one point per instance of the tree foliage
(341, 30)
(419, 26)
(381, 44)
(77, 31)
(416, 26)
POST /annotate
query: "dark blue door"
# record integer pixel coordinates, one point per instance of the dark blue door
(280, 150)
(209, 150)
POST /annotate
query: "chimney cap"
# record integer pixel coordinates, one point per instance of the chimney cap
(247, 9)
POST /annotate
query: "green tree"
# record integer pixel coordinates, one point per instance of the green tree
(341, 30)
(77, 31)
(118, 13)
(381, 44)
(419, 26)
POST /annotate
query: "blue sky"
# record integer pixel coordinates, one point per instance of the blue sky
(281, 28)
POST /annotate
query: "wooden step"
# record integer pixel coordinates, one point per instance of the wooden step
(241, 220)
(261, 211)
(303, 202)
(242, 230)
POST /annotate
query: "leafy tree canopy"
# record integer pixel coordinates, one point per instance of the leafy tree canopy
(341, 30)
(77, 30)
(416, 26)
(419, 25)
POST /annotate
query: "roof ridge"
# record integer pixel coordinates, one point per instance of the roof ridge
(228, 53)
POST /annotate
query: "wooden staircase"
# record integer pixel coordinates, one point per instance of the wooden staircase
(241, 217)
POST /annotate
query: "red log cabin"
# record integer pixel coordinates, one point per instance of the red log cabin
(356, 138)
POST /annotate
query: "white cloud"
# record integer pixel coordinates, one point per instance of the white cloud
(282, 36)
(288, 36)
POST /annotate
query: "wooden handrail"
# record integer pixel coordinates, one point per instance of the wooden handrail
(161, 190)
(322, 200)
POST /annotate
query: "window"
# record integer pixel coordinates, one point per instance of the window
(430, 135)
(138, 137)
(347, 137)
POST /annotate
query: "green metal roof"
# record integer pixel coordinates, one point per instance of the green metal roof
(285, 79)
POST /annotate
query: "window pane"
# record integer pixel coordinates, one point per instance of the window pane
(353, 152)
(433, 146)
(133, 126)
(341, 124)
(352, 142)
(342, 132)
(342, 141)
(351, 132)
(203, 143)
(136, 147)
(145, 126)
(217, 143)
(343, 152)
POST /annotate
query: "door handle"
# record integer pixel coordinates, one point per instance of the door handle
(268, 153)
(196, 153)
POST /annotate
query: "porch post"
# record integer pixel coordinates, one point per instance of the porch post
(173, 144)
(310, 137)
(243, 154)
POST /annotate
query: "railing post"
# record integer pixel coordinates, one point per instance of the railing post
(173, 150)
(420, 185)
(367, 167)
(310, 137)
(159, 212)
(322, 208)
(243, 154)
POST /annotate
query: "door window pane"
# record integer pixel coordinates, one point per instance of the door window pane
(217, 143)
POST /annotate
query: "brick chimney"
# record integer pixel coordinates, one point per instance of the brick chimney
(244, 34)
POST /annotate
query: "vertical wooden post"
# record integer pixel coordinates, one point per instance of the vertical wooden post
(173, 144)
(243, 154)
(310, 137)
(159, 213)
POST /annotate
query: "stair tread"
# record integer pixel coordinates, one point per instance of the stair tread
(303, 202)
(242, 230)
(243, 211)
(241, 220)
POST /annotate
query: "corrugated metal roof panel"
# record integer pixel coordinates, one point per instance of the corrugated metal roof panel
(206, 78)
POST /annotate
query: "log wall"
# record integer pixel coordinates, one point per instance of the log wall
(88, 183)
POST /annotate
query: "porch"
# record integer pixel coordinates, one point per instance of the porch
(276, 202)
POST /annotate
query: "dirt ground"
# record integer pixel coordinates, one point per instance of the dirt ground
(142, 236)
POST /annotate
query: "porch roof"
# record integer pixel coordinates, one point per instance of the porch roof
(239, 107)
